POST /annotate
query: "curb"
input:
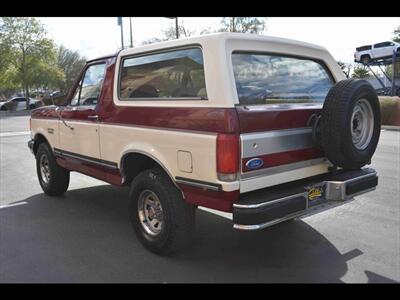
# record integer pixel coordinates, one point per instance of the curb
(389, 127)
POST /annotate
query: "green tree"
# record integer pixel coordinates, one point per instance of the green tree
(346, 68)
(152, 40)
(30, 52)
(243, 24)
(389, 68)
(170, 34)
(71, 63)
(396, 37)
(230, 24)
(7, 86)
(360, 72)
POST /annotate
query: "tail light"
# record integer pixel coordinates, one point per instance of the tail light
(227, 156)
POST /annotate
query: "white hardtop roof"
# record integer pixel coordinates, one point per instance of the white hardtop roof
(218, 38)
(219, 78)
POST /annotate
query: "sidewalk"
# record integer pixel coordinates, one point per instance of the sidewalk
(389, 127)
(15, 113)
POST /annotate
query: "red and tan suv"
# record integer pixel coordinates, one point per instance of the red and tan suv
(264, 128)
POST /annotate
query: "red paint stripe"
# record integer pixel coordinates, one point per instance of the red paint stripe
(222, 120)
(111, 176)
(283, 158)
(219, 200)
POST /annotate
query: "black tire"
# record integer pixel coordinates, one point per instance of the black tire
(365, 59)
(32, 106)
(336, 124)
(178, 216)
(3, 108)
(58, 182)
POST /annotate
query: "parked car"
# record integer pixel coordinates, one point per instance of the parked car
(19, 103)
(365, 54)
(265, 128)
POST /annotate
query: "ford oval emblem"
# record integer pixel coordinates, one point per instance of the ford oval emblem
(254, 163)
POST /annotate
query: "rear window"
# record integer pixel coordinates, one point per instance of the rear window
(272, 79)
(364, 48)
(166, 75)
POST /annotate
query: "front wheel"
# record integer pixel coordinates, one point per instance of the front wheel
(53, 178)
(162, 220)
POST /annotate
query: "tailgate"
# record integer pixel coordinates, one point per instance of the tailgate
(277, 145)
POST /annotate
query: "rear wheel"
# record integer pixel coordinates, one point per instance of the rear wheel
(53, 178)
(162, 220)
(365, 59)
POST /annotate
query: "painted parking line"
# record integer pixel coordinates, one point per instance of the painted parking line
(15, 133)
(13, 204)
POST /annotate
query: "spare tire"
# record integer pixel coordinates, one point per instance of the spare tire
(350, 124)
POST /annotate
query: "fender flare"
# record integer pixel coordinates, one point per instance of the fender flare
(125, 153)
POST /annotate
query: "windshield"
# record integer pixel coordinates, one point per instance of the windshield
(272, 79)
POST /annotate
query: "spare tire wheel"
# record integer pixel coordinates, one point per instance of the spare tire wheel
(350, 124)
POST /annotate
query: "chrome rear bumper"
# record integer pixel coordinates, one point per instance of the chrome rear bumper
(269, 206)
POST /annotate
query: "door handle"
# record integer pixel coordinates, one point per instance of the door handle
(93, 117)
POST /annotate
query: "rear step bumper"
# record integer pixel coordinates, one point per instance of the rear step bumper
(269, 206)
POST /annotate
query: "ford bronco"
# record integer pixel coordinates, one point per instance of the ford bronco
(264, 128)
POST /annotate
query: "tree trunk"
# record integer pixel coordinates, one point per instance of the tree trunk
(26, 91)
(24, 84)
(233, 29)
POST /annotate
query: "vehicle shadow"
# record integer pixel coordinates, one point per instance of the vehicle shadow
(85, 236)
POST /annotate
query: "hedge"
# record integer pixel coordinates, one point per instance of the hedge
(390, 110)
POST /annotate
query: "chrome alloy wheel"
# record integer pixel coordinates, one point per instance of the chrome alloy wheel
(44, 168)
(362, 124)
(150, 212)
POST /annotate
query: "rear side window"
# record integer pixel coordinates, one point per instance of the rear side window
(272, 79)
(384, 44)
(364, 48)
(167, 75)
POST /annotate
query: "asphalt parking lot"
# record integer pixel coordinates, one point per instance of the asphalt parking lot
(86, 236)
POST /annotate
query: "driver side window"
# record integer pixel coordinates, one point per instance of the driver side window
(89, 88)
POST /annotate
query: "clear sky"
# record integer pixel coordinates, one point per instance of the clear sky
(97, 36)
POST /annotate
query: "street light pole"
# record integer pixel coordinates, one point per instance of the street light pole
(130, 24)
(122, 31)
(177, 27)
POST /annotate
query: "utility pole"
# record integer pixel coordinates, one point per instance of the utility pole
(122, 31)
(130, 24)
(176, 26)
(393, 90)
